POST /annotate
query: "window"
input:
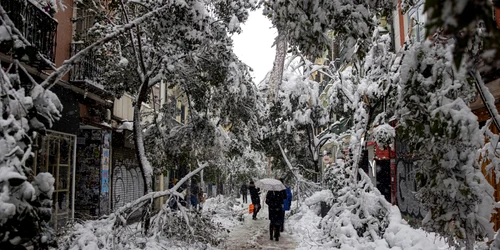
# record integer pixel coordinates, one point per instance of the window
(84, 21)
(416, 22)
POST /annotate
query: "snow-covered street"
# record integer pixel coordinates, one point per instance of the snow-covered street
(137, 125)
(245, 233)
(302, 230)
(254, 234)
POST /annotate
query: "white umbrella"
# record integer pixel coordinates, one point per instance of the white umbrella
(270, 184)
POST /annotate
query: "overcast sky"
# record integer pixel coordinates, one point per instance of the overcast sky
(253, 45)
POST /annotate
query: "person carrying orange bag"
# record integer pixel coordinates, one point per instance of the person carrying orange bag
(254, 195)
(250, 208)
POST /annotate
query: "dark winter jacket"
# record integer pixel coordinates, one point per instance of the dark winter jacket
(274, 200)
(287, 202)
(254, 194)
(243, 189)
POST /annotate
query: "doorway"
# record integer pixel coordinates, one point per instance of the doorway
(383, 169)
(55, 154)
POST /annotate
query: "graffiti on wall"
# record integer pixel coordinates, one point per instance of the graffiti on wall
(127, 182)
(407, 187)
(406, 172)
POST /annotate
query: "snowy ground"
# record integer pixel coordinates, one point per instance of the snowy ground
(245, 233)
(302, 231)
(399, 235)
(254, 234)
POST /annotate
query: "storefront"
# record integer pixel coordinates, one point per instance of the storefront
(93, 160)
(92, 171)
(127, 179)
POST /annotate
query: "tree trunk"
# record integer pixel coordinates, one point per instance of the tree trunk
(279, 62)
(144, 165)
(139, 139)
(361, 156)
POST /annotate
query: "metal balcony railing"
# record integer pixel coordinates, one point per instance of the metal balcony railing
(36, 25)
(86, 69)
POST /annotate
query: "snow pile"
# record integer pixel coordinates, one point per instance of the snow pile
(323, 195)
(168, 229)
(359, 216)
(306, 225)
(225, 211)
(400, 235)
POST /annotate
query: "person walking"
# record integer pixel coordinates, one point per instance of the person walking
(244, 192)
(194, 195)
(287, 203)
(254, 196)
(274, 200)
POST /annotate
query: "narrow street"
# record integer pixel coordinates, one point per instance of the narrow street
(254, 234)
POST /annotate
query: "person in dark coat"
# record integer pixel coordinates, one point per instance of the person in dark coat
(244, 192)
(254, 196)
(274, 200)
(194, 195)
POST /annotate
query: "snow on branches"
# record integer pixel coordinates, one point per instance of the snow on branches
(27, 109)
(306, 23)
(432, 104)
(359, 213)
(185, 45)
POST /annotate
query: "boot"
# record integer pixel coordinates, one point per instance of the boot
(277, 232)
(271, 231)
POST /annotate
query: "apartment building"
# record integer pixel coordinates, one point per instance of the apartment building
(77, 149)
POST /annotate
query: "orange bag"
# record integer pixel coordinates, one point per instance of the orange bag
(250, 209)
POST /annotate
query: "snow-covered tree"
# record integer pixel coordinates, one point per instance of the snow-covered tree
(27, 109)
(193, 52)
(187, 46)
(433, 104)
(296, 117)
(359, 212)
(377, 77)
(306, 23)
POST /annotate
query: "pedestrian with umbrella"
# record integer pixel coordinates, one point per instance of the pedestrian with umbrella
(274, 200)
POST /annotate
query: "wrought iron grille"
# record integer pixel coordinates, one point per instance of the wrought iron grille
(85, 70)
(36, 25)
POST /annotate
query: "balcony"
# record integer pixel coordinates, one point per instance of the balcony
(37, 26)
(85, 71)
